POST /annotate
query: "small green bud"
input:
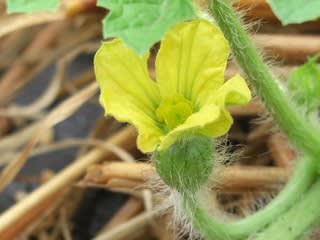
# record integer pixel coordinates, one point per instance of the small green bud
(186, 165)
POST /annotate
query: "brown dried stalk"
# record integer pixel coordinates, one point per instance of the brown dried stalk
(13, 45)
(19, 74)
(5, 125)
(60, 113)
(291, 48)
(49, 96)
(12, 23)
(261, 132)
(231, 178)
(253, 108)
(257, 9)
(243, 178)
(260, 9)
(69, 202)
(42, 209)
(42, 41)
(130, 209)
(133, 229)
(73, 84)
(282, 154)
(22, 210)
(73, 7)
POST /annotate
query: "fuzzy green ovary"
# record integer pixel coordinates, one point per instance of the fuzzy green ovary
(174, 111)
(186, 165)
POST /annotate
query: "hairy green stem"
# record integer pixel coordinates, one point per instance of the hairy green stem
(305, 136)
(299, 182)
(297, 221)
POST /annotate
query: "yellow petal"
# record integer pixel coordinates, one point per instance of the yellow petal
(191, 61)
(234, 91)
(218, 127)
(208, 114)
(127, 92)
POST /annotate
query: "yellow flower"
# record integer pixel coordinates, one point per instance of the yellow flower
(189, 94)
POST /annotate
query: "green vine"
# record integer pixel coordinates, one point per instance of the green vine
(297, 221)
(299, 182)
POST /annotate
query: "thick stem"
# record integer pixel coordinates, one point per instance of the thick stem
(290, 225)
(300, 181)
(292, 122)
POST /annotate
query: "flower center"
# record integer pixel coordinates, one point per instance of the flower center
(174, 111)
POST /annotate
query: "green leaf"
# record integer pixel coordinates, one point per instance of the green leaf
(295, 11)
(29, 6)
(141, 23)
(304, 85)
